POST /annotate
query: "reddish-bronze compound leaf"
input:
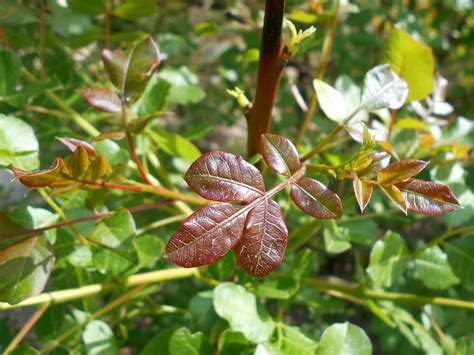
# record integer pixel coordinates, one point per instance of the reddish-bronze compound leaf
(207, 235)
(263, 243)
(102, 99)
(396, 196)
(315, 199)
(280, 154)
(400, 171)
(221, 176)
(428, 197)
(378, 161)
(55, 176)
(73, 143)
(363, 192)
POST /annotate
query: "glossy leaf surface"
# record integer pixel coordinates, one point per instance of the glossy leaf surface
(344, 339)
(315, 199)
(221, 176)
(383, 89)
(400, 171)
(396, 196)
(331, 101)
(363, 192)
(102, 99)
(207, 235)
(262, 245)
(280, 154)
(428, 197)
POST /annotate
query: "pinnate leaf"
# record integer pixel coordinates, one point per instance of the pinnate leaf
(207, 235)
(363, 192)
(262, 245)
(221, 176)
(315, 199)
(400, 171)
(280, 154)
(331, 101)
(428, 197)
(383, 89)
(396, 196)
(102, 99)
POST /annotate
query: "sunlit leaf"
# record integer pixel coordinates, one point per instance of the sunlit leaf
(337, 239)
(54, 176)
(396, 196)
(241, 309)
(24, 269)
(400, 171)
(102, 99)
(388, 260)
(221, 176)
(315, 199)
(174, 144)
(411, 123)
(182, 342)
(433, 269)
(428, 197)
(412, 61)
(363, 192)
(378, 161)
(207, 235)
(99, 339)
(280, 154)
(331, 101)
(344, 339)
(262, 245)
(294, 342)
(383, 89)
(73, 143)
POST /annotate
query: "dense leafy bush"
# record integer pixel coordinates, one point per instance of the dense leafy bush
(346, 229)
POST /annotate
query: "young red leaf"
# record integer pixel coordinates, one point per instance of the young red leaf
(378, 162)
(315, 199)
(263, 243)
(396, 196)
(221, 176)
(207, 235)
(102, 99)
(363, 192)
(115, 64)
(54, 176)
(400, 171)
(428, 197)
(73, 143)
(280, 154)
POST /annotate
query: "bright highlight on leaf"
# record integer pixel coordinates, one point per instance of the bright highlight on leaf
(102, 99)
(331, 101)
(280, 154)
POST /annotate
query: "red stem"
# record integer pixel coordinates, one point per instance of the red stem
(269, 71)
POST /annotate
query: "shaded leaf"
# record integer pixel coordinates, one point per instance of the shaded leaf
(149, 249)
(99, 339)
(315, 199)
(388, 260)
(461, 258)
(336, 239)
(102, 99)
(207, 235)
(412, 61)
(280, 154)
(182, 342)
(396, 196)
(344, 339)
(221, 176)
(112, 135)
(24, 269)
(262, 246)
(231, 343)
(18, 144)
(428, 197)
(92, 8)
(400, 171)
(73, 143)
(363, 192)
(433, 269)
(240, 308)
(331, 101)
(133, 9)
(54, 176)
(10, 67)
(159, 344)
(201, 308)
(294, 342)
(281, 288)
(383, 89)
(154, 97)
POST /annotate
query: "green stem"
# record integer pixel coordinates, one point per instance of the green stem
(442, 238)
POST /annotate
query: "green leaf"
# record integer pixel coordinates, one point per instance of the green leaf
(92, 8)
(201, 308)
(412, 61)
(388, 260)
(182, 342)
(344, 339)
(112, 240)
(433, 269)
(185, 88)
(461, 259)
(18, 144)
(282, 288)
(99, 339)
(10, 67)
(134, 9)
(149, 248)
(331, 101)
(240, 308)
(231, 343)
(153, 98)
(24, 350)
(174, 144)
(336, 238)
(33, 218)
(159, 344)
(294, 342)
(24, 269)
